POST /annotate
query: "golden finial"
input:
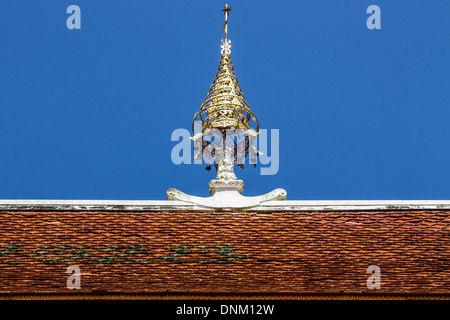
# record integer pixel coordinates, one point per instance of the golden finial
(226, 11)
(225, 106)
(228, 132)
(225, 110)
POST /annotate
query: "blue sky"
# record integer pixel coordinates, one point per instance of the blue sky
(88, 114)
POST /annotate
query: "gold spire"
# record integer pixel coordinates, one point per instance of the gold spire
(226, 11)
(225, 106)
(231, 143)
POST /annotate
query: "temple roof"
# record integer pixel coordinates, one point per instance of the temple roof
(168, 247)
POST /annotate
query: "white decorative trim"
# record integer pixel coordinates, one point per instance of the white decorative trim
(354, 205)
(93, 205)
(164, 205)
(226, 197)
(226, 189)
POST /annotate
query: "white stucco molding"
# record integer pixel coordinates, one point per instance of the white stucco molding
(164, 205)
(226, 196)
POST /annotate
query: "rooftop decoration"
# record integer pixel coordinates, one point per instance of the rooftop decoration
(226, 137)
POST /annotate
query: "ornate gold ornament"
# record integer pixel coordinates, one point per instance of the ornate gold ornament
(225, 114)
(225, 106)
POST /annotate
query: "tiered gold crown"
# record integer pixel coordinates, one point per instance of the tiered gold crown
(225, 106)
